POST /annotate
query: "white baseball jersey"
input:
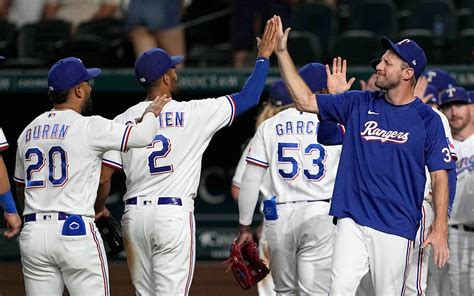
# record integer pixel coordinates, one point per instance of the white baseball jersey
(300, 168)
(240, 169)
(463, 208)
(171, 165)
(3, 141)
(59, 157)
(161, 237)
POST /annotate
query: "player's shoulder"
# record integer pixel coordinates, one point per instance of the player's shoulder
(427, 114)
(133, 112)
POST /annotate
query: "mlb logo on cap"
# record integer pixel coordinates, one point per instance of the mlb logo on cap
(69, 72)
(454, 95)
(409, 51)
(153, 64)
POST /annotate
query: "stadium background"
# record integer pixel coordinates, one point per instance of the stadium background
(208, 74)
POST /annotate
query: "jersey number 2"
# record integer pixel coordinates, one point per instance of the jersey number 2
(295, 165)
(154, 157)
(56, 154)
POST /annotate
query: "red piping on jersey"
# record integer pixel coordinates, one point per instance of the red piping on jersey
(191, 256)
(256, 162)
(111, 164)
(101, 259)
(232, 107)
(125, 137)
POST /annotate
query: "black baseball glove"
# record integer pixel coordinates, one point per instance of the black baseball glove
(111, 233)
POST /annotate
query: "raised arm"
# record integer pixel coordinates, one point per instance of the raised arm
(303, 97)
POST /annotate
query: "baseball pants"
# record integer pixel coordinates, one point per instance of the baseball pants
(160, 245)
(301, 244)
(461, 260)
(358, 248)
(265, 287)
(51, 260)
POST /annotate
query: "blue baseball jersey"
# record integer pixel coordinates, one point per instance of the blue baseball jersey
(381, 175)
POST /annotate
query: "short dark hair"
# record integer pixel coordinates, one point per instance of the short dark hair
(58, 97)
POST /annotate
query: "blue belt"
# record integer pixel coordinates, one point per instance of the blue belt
(32, 217)
(161, 201)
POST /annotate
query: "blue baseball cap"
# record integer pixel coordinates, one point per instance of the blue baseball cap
(314, 74)
(439, 78)
(153, 64)
(470, 93)
(454, 95)
(432, 90)
(69, 72)
(409, 51)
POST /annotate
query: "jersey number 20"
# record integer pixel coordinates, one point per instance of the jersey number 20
(56, 154)
(284, 156)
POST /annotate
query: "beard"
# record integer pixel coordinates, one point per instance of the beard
(87, 107)
(385, 84)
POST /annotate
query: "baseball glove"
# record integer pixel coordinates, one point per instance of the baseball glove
(247, 267)
(111, 233)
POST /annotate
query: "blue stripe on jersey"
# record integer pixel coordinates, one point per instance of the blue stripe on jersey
(381, 175)
(112, 164)
(18, 180)
(126, 134)
(232, 109)
(3, 146)
(256, 162)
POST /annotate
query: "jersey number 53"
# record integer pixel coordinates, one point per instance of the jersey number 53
(316, 152)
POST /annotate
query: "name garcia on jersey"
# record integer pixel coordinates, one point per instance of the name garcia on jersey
(373, 133)
(298, 127)
(47, 131)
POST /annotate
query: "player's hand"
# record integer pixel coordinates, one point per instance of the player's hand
(245, 234)
(104, 213)
(438, 239)
(13, 224)
(337, 81)
(420, 89)
(267, 44)
(282, 37)
(157, 104)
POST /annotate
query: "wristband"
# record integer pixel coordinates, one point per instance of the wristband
(7, 203)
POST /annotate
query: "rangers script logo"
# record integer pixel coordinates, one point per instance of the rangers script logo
(373, 133)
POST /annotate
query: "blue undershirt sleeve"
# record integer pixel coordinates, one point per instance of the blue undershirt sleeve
(250, 94)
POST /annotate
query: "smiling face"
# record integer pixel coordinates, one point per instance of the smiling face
(391, 71)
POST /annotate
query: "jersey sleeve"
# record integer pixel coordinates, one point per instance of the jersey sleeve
(437, 150)
(256, 154)
(214, 114)
(239, 170)
(104, 134)
(3, 141)
(19, 175)
(338, 107)
(113, 159)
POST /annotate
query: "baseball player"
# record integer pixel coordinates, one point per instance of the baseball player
(297, 226)
(162, 179)
(6, 200)
(378, 195)
(456, 104)
(57, 170)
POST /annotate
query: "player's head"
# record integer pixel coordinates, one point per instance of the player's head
(156, 67)
(403, 62)
(433, 91)
(456, 104)
(70, 78)
(439, 78)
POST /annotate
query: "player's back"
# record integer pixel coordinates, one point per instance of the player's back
(300, 167)
(58, 164)
(171, 165)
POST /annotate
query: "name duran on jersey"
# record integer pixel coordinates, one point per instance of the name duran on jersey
(47, 131)
(298, 127)
(373, 133)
